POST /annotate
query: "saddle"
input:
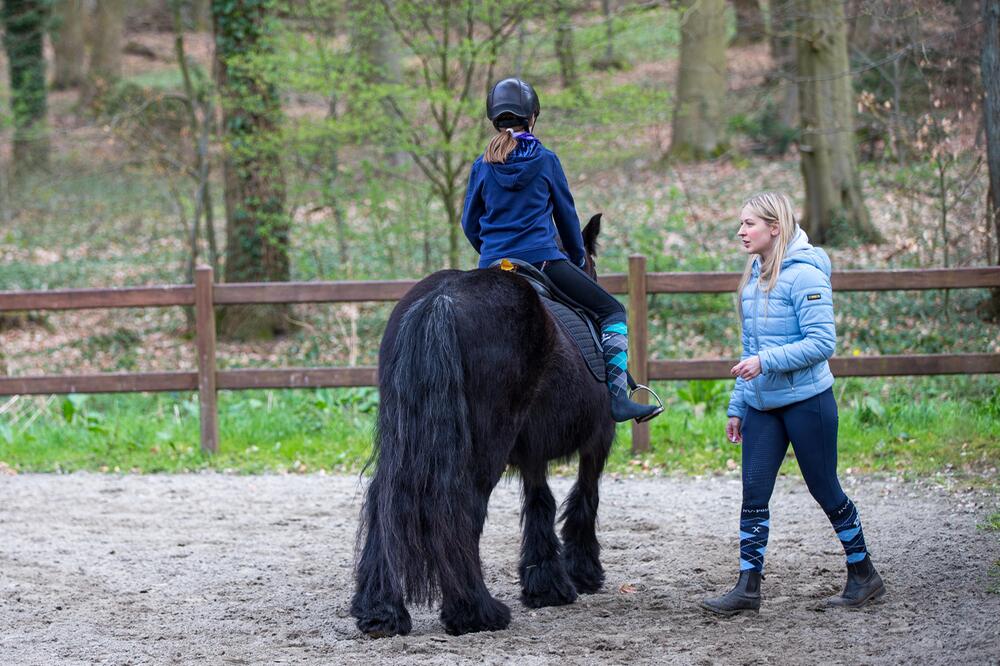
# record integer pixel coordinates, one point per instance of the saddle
(576, 321)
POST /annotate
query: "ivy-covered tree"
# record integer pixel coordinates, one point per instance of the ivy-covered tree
(24, 28)
(257, 225)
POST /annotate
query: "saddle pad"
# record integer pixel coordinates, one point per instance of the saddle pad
(581, 332)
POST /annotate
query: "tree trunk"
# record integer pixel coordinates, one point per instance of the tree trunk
(24, 29)
(564, 46)
(861, 28)
(608, 60)
(201, 15)
(200, 131)
(377, 50)
(67, 44)
(783, 55)
(373, 43)
(990, 71)
(835, 209)
(701, 81)
(105, 49)
(257, 226)
(519, 52)
(749, 23)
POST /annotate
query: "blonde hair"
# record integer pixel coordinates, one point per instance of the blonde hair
(776, 209)
(501, 146)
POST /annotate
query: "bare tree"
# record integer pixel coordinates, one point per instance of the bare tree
(750, 27)
(990, 70)
(608, 60)
(701, 82)
(835, 208)
(68, 49)
(200, 112)
(106, 42)
(565, 53)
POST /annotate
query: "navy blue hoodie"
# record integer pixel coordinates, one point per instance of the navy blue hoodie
(510, 208)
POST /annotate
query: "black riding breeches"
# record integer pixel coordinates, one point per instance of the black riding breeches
(581, 288)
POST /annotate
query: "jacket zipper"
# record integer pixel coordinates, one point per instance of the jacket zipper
(756, 341)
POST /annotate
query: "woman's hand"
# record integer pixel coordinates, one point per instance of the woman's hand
(734, 429)
(747, 369)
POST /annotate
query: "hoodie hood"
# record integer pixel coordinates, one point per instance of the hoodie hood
(521, 167)
(800, 251)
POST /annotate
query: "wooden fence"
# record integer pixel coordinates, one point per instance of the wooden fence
(204, 295)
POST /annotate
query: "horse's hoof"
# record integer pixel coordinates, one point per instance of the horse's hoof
(553, 597)
(584, 569)
(587, 574)
(388, 622)
(589, 585)
(546, 584)
(493, 615)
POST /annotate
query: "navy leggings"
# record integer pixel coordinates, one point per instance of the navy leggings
(584, 290)
(811, 427)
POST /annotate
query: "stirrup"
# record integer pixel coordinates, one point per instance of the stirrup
(659, 403)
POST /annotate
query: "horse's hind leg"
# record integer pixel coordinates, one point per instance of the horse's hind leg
(378, 598)
(581, 551)
(466, 605)
(543, 578)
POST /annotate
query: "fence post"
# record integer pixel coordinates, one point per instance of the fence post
(204, 317)
(638, 336)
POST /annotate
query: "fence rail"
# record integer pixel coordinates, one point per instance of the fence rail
(204, 295)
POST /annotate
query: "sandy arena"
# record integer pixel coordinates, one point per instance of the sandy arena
(223, 569)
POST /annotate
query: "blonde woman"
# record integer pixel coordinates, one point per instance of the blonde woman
(784, 394)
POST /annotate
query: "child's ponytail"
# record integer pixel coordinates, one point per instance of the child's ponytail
(500, 147)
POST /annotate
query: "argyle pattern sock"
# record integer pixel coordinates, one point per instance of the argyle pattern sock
(614, 340)
(755, 525)
(847, 524)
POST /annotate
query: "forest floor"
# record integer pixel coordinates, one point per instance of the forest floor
(236, 569)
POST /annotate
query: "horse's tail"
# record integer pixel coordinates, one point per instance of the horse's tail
(421, 502)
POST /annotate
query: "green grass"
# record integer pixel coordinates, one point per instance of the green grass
(260, 431)
(994, 576)
(992, 524)
(876, 434)
(327, 429)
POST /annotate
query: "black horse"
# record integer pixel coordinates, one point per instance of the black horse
(475, 375)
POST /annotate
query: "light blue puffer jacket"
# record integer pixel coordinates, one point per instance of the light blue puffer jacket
(794, 337)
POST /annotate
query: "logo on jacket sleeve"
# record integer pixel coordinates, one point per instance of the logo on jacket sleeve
(813, 297)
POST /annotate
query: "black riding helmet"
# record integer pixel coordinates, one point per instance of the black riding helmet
(511, 103)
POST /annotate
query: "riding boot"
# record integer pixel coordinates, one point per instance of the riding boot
(614, 340)
(863, 585)
(744, 597)
(624, 409)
